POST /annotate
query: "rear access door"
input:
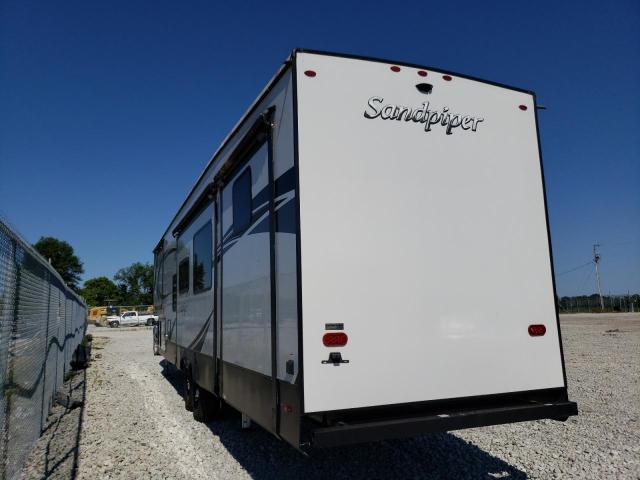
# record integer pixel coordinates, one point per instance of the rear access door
(423, 237)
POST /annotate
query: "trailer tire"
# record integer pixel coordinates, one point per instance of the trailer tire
(205, 405)
(188, 392)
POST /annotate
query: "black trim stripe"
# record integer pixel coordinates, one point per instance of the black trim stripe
(272, 278)
(220, 326)
(285, 183)
(260, 220)
(296, 162)
(216, 284)
(546, 218)
(198, 341)
(386, 428)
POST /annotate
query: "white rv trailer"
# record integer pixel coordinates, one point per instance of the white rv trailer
(367, 256)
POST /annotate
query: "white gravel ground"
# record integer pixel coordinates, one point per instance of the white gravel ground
(135, 426)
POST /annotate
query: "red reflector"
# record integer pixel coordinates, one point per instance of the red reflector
(447, 77)
(287, 408)
(335, 339)
(395, 68)
(422, 73)
(537, 330)
(522, 107)
(310, 73)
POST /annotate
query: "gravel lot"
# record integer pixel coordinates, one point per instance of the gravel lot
(134, 425)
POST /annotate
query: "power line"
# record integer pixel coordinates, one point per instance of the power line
(587, 278)
(590, 262)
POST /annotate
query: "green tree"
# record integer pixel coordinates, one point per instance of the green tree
(62, 258)
(135, 283)
(97, 291)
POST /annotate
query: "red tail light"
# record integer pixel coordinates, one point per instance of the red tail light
(335, 339)
(395, 68)
(537, 330)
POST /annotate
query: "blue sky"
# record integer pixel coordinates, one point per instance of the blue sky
(110, 110)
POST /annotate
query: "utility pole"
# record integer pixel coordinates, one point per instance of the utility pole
(596, 260)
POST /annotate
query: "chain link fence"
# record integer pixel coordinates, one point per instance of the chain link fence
(42, 321)
(623, 303)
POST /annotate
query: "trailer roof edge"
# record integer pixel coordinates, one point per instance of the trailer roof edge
(412, 65)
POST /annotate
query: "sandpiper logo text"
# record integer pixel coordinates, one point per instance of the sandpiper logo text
(422, 114)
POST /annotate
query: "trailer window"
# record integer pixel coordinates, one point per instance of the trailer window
(242, 205)
(202, 259)
(183, 276)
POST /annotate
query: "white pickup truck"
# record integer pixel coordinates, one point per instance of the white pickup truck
(132, 318)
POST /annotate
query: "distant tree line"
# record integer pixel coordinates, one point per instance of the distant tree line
(132, 285)
(591, 303)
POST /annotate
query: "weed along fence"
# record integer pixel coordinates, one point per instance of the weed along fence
(42, 321)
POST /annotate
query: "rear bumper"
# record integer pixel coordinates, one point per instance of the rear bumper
(364, 430)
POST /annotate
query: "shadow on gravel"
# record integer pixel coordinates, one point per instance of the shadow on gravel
(434, 456)
(55, 455)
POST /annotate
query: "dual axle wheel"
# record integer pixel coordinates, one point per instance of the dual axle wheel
(204, 405)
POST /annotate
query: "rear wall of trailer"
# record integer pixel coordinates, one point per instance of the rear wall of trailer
(429, 244)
